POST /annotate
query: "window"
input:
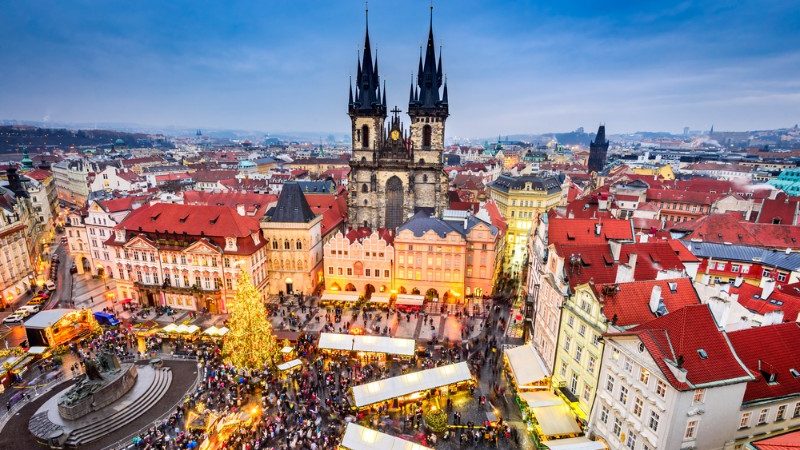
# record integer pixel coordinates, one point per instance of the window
(762, 416)
(614, 354)
(578, 353)
(567, 342)
(349, 271)
(628, 365)
(604, 414)
(228, 283)
(734, 268)
(699, 396)
(638, 406)
(644, 375)
(781, 413)
(623, 395)
(367, 272)
(781, 277)
(590, 363)
(765, 273)
(631, 441)
(610, 384)
(661, 389)
(426, 136)
(587, 392)
(330, 270)
(386, 273)
(691, 430)
(653, 422)
(573, 383)
(563, 371)
(796, 410)
(570, 320)
(744, 422)
(617, 426)
(582, 330)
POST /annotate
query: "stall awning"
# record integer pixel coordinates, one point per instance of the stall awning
(536, 399)
(389, 388)
(578, 443)
(185, 329)
(409, 300)
(339, 297)
(374, 344)
(171, 328)
(526, 365)
(357, 437)
(556, 420)
(382, 299)
(37, 350)
(289, 364)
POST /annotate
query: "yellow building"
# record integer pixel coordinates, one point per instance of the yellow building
(521, 200)
(664, 172)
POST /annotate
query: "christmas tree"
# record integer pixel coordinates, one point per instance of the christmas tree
(250, 343)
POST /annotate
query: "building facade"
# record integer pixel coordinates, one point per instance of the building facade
(360, 261)
(16, 258)
(396, 172)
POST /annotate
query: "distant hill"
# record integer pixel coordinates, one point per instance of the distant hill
(12, 137)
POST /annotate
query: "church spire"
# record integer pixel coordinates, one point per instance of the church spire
(429, 79)
(367, 99)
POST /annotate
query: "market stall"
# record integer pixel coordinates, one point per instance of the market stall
(409, 302)
(412, 386)
(54, 327)
(379, 300)
(289, 365)
(338, 298)
(555, 422)
(357, 437)
(526, 368)
(366, 345)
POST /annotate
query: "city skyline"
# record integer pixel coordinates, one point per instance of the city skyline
(512, 68)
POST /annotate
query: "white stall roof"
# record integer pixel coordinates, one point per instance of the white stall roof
(556, 420)
(409, 299)
(578, 443)
(374, 344)
(379, 298)
(526, 365)
(47, 318)
(339, 296)
(289, 364)
(378, 391)
(357, 437)
(536, 399)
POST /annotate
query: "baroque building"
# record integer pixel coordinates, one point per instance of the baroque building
(397, 172)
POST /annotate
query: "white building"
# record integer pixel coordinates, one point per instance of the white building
(671, 383)
(114, 179)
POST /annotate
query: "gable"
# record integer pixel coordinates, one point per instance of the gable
(139, 243)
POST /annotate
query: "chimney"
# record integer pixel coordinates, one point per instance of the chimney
(632, 258)
(571, 215)
(616, 249)
(240, 209)
(655, 298)
(767, 286)
(598, 227)
(14, 183)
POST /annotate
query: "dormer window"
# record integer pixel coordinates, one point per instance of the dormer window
(230, 244)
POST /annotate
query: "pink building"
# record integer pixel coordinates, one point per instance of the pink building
(359, 261)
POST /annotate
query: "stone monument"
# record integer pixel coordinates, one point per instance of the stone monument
(105, 381)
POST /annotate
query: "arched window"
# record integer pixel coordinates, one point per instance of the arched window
(363, 159)
(274, 244)
(299, 245)
(421, 161)
(365, 202)
(425, 178)
(426, 136)
(286, 245)
(364, 136)
(364, 188)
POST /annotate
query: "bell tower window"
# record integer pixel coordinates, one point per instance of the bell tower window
(364, 136)
(426, 136)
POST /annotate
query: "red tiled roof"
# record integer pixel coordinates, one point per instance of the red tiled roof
(172, 177)
(495, 216)
(683, 333)
(211, 176)
(561, 230)
(337, 174)
(786, 441)
(208, 220)
(766, 350)
(39, 174)
(123, 203)
(332, 207)
(626, 198)
(129, 175)
(719, 166)
(788, 296)
(728, 227)
(690, 197)
(782, 208)
(466, 181)
(596, 263)
(255, 204)
(245, 184)
(147, 159)
(628, 304)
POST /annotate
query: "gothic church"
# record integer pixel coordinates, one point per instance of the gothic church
(394, 172)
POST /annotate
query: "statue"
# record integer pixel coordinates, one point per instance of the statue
(91, 369)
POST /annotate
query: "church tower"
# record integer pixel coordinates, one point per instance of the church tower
(395, 173)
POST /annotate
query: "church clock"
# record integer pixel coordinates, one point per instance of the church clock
(395, 135)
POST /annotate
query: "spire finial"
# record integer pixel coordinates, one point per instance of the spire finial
(366, 12)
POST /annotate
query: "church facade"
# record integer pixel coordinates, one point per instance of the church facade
(396, 172)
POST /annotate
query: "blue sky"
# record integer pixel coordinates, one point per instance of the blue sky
(512, 66)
